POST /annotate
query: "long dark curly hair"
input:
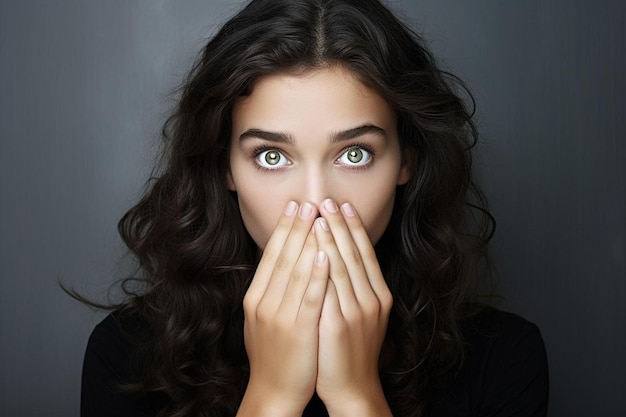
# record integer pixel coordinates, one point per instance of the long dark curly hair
(197, 259)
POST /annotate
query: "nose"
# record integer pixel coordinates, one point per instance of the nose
(316, 186)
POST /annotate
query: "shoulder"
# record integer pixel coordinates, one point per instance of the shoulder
(505, 371)
(113, 359)
(107, 336)
(114, 342)
(505, 332)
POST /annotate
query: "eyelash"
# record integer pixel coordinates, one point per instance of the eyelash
(264, 148)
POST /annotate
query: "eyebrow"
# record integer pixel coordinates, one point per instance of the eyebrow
(270, 136)
(358, 131)
(282, 137)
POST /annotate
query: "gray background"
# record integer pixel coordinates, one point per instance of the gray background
(84, 87)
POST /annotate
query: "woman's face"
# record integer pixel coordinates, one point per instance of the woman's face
(322, 134)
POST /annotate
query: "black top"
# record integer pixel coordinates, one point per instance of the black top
(505, 373)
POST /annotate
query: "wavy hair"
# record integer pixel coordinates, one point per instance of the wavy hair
(197, 259)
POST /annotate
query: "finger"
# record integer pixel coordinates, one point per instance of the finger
(313, 300)
(366, 250)
(292, 248)
(300, 278)
(339, 275)
(349, 251)
(331, 310)
(272, 251)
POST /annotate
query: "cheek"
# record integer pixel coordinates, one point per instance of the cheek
(374, 205)
(260, 212)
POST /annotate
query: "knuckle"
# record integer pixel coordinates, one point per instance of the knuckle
(369, 255)
(311, 299)
(341, 274)
(249, 304)
(264, 313)
(386, 300)
(371, 307)
(298, 275)
(282, 263)
(353, 255)
(314, 295)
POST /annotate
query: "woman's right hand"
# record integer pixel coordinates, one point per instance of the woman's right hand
(282, 312)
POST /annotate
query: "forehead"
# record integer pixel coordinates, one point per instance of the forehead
(331, 98)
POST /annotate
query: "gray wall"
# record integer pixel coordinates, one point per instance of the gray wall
(84, 88)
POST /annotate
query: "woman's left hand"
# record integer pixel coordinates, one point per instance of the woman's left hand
(354, 316)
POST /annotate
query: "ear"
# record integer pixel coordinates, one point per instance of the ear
(230, 184)
(407, 166)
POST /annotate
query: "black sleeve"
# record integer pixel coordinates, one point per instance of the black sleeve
(516, 374)
(504, 374)
(108, 364)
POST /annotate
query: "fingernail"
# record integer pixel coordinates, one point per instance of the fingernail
(323, 223)
(305, 210)
(330, 205)
(291, 208)
(320, 258)
(347, 209)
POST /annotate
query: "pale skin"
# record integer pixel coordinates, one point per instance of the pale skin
(315, 162)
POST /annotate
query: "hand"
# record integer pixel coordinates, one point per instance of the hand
(282, 311)
(354, 316)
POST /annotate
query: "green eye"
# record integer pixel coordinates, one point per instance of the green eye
(271, 159)
(355, 157)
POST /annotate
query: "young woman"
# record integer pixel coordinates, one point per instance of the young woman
(314, 241)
